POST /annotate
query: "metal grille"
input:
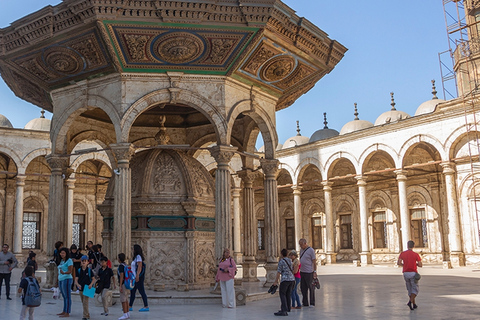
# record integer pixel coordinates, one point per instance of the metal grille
(31, 230)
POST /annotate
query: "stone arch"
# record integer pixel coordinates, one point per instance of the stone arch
(422, 138)
(180, 96)
(289, 169)
(369, 151)
(101, 139)
(263, 121)
(334, 158)
(455, 147)
(303, 165)
(32, 155)
(249, 143)
(14, 156)
(100, 156)
(62, 122)
(456, 138)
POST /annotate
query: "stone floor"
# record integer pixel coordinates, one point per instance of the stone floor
(347, 292)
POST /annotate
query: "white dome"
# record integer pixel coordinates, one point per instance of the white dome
(430, 105)
(295, 141)
(324, 133)
(391, 116)
(355, 125)
(39, 124)
(4, 122)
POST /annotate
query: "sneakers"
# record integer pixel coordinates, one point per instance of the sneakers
(409, 304)
(281, 313)
(104, 313)
(144, 309)
(125, 316)
(131, 309)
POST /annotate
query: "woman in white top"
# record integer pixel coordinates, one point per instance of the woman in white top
(138, 266)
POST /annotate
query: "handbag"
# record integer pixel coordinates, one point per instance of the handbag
(99, 287)
(316, 283)
(417, 277)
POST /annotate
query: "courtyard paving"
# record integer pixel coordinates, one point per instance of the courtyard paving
(347, 292)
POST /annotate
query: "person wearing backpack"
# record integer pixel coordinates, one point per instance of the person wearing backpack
(84, 277)
(121, 285)
(138, 266)
(31, 296)
(105, 279)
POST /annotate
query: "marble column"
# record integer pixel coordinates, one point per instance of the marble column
(457, 257)
(331, 256)
(297, 208)
(17, 240)
(56, 201)
(237, 233)
(272, 219)
(404, 213)
(365, 255)
(70, 184)
(223, 206)
(9, 212)
(249, 264)
(122, 205)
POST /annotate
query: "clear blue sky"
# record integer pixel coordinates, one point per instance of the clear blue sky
(392, 46)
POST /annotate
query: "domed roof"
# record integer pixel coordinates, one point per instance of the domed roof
(324, 133)
(356, 124)
(295, 141)
(430, 105)
(4, 122)
(393, 115)
(39, 124)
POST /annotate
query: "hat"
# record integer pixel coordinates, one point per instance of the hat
(84, 258)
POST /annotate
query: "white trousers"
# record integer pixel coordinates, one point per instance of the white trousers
(228, 293)
(24, 311)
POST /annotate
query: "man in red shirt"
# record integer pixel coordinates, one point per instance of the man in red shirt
(410, 260)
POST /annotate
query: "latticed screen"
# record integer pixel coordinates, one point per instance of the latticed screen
(78, 236)
(31, 230)
(317, 232)
(290, 234)
(261, 234)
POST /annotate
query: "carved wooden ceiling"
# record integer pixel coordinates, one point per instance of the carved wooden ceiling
(261, 43)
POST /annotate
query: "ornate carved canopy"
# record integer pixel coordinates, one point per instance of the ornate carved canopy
(261, 43)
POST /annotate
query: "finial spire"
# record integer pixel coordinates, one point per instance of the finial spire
(393, 102)
(434, 90)
(325, 120)
(298, 128)
(356, 112)
(43, 114)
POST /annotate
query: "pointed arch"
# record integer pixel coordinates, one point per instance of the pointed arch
(423, 138)
(379, 147)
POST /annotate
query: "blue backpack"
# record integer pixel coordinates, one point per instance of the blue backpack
(129, 278)
(33, 295)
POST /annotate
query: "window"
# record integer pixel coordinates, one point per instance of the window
(290, 234)
(317, 233)
(419, 227)
(261, 234)
(31, 230)
(380, 229)
(78, 236)
(346, 231)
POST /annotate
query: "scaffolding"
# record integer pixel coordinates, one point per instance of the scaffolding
(464, 53)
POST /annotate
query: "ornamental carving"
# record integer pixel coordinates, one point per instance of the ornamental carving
(202, 186)
(269, 166)
(63, 60)
(205, 262)
(90, 52)
(299, 74)
(222, 154)
(166, 175)
(178, 47)
(167, 260)
(220, 48)
(277, 68)
(258, 58)
(137, 46)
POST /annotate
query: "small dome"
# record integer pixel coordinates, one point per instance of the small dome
(393, 115)
(324, 133)
(356, 124)
(4, 122)
(295, 141)
(39, 124)
(430, 105)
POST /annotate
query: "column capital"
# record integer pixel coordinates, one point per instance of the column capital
(20, 180)
(401, 174)
(297, 190)
(222, 154)
(70, 183)
(361, 180)
(270, 167)
(327, 185)
(57, 163)
(448, 167)
(123, 151)
(247, 176)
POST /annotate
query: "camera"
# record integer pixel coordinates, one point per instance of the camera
(223, 270)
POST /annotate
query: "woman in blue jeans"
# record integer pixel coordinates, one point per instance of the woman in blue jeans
(138, 264)
(296, 272)
(65, 279)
